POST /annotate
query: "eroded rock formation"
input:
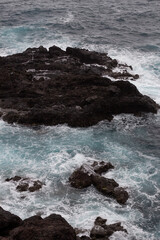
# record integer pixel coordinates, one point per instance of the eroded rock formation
(50, 87)
(88, 175)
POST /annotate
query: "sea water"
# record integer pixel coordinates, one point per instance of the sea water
(129, 31)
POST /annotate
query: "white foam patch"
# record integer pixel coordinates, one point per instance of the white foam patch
(147, 65)
(51, 154)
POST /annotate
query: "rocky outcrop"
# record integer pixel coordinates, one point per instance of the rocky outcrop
(88, 175)
(83, 176)
(53, 227)
(8, 221)
(50, 87)
(25, 184)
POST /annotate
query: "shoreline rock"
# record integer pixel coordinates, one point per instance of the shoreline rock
(51, 87)
(53, 227)
(25, 184)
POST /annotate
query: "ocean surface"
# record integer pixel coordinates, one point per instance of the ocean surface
(130, 32)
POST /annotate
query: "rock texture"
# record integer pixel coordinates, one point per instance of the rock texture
(102, 231)
(8, 221)
(88, 175)
(50, 87)
(53, 227)
(26, 184)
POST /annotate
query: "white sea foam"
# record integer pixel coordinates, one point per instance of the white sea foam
(144, 64)
(51, 154)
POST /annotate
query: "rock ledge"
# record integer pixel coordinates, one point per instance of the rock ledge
(51, 87)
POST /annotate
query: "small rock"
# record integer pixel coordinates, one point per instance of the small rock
(100, 221)
(121, 195)
(26, 184)
(36, 186)
(22, 187)
(98, 232)
(16, 179)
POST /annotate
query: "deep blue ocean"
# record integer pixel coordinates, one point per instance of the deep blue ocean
(130, 32)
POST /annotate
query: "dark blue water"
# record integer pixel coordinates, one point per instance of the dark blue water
(130, 32)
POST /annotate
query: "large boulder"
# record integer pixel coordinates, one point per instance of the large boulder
(53, 227)
(88, 175)
(56, 87)
(80, 178)
(121, 195)
(8, 221)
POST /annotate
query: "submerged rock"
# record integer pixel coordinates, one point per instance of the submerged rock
(26, 184)
(55, 87)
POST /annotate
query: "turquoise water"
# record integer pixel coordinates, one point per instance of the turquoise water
(129, 31)
(51, 154)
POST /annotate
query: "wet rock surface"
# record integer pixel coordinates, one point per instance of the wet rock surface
(8, 221)
(102, 231)
(25, 184)
(53, 227)
(88, 175)
(51, 87)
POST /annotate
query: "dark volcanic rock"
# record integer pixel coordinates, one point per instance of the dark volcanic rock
(85, 238)
(83, 176)
(16, 179)
(121, 195)
(8, 221)
(56, 87)
(53, 227)
(22, 187)
(80, 178)
(26, 184)
(104, 185)
(103, 231)
(102, 167)
(88, 175)
(91, 57)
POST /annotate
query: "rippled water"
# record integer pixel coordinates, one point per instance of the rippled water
(124, 23)
(130, 32)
